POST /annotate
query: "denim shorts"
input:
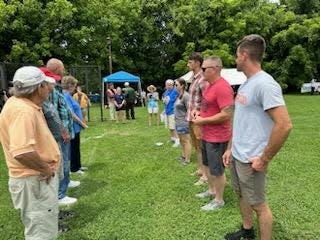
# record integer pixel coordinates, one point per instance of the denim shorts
(182, 129)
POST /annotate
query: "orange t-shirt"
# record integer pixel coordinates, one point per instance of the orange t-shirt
(24, 129)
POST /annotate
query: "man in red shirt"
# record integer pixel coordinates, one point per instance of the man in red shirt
(215, 114)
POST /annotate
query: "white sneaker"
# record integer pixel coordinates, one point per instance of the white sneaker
(73, 184)
(80, 172)
(200, 182)
(176, 145)
(213, 205)
(67, 201)
(204, 194)
(84, 168)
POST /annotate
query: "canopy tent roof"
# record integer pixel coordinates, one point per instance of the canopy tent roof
(232, 75)
(121, 76)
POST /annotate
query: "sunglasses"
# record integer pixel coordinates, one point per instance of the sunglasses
(205, 68)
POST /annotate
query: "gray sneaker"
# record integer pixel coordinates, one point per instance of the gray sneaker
(213, 205)
(204, 194)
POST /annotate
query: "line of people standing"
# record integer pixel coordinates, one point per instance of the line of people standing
(261, 125)
(40, 132)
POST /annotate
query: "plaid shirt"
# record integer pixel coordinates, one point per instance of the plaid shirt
(59, 102)
(52, 117)
(197, 87)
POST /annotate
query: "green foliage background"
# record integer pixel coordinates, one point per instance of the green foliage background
(154, 38)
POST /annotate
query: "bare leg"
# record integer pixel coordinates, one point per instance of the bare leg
(157, 118)
(219, 184)
(150, 118)
(186, 145)
(264, 215)
(246, 214)
(211, 180)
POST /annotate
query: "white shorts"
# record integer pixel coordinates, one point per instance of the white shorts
(170, 122)
(153, 110)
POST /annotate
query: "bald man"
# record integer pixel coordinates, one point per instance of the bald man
(56, 66)
(55, 69)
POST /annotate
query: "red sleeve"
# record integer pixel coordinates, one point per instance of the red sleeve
(225, 95)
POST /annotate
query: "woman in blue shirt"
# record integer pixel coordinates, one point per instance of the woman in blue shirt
(69, 85)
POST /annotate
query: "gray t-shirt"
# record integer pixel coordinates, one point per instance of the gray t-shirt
(251, 124)
(180, 110)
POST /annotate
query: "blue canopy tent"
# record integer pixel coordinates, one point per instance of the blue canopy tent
(121, 77)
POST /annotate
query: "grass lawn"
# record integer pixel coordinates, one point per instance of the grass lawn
(136, 190)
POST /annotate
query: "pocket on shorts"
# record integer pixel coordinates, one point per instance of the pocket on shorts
(15, 186)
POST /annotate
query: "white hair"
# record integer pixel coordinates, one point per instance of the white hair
(19, 91)
(170, 82)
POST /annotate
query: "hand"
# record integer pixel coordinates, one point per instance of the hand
(195, 113)
(226, 158)
(258, 164)
(65, 136)
(198, 120)
(47, 175)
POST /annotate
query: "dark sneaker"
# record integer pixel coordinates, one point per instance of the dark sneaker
(242, 234)
(63, 228)
(65, 215)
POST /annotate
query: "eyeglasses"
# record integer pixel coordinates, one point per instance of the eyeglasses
(204, 68)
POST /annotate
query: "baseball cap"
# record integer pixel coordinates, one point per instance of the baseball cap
(29, 76)
(48, 73)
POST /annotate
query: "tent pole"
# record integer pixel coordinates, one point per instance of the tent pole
(102, 95)
(139, 91)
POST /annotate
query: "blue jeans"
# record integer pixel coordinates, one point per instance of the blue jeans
(63, 185)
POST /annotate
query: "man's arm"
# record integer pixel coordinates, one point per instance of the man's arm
(33, 161)
(226, 157)
(279, 134)
(224, 115)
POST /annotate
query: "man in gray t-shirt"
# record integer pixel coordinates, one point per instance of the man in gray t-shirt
(261, 125)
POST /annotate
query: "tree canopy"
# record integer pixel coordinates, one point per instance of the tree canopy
(154, 38)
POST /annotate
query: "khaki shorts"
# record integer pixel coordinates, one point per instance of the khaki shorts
(170, 122)
(248, 183)
(195, 134)
(38, 205)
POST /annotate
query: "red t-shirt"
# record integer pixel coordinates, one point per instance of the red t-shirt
(217, 96)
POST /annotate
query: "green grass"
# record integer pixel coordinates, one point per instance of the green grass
(136, 190)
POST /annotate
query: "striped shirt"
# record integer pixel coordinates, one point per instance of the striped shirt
(196, 89)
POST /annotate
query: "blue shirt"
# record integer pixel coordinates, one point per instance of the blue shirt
(75, 108)
(169, 97)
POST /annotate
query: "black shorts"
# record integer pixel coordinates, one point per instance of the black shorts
(212, 157)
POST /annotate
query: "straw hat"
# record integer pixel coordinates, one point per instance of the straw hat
(151, 88)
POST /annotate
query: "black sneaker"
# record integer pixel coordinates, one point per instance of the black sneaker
(66, 214)
(63, 228)
(242, 234)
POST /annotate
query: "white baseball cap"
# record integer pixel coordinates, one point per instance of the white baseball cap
(29, 76)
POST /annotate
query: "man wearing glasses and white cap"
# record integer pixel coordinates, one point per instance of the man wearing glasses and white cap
(32, 154)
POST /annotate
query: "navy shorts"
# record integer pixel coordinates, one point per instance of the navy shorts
(212, 157)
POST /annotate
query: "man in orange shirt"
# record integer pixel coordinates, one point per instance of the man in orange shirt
(32, 154)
